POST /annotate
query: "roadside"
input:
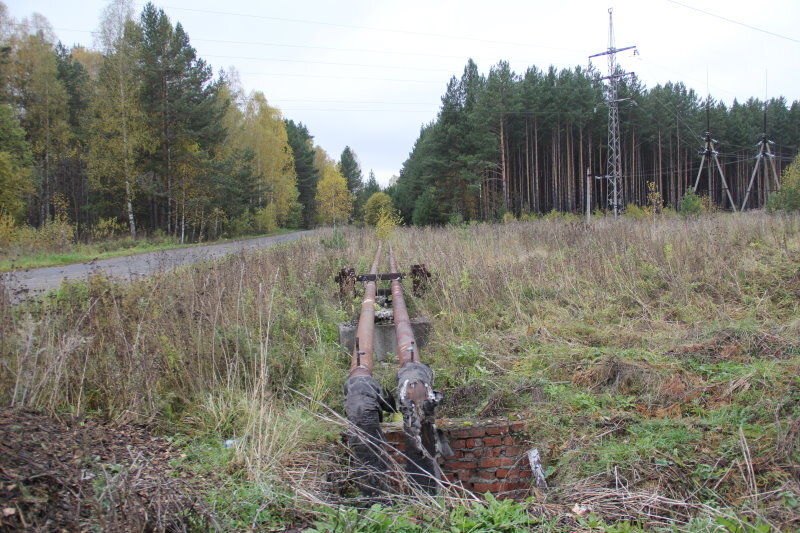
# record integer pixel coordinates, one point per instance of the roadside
(22, 284)
(84, 253)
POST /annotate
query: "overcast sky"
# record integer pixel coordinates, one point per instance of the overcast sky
(369, 73)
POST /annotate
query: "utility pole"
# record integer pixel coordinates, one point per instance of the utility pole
(710, 153)
(588, 194)
(614, 161)
(764, 154)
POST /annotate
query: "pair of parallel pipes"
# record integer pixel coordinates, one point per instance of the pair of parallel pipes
(366, 400)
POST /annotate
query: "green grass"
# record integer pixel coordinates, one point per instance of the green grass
(83, 252)
(661, 358)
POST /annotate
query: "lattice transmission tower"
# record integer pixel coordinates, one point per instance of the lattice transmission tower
(614, 162)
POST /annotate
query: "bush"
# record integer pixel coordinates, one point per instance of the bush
(7, 229)
(636, 212)
(788, 198)
(266, 219)
(378, 203)
(107, 228)
(691, 203)
(241, 225)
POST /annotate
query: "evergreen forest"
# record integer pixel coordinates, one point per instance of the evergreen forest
(139, 135)
(522, 143)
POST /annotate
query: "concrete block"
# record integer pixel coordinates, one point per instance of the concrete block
(385, 341)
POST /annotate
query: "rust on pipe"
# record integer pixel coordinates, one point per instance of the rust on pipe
(406, 343)
(363, 352)
(365, 400)
(416, 398)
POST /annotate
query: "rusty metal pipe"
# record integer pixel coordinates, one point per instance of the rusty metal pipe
(407, 351)
(363, 351)
(416, 398)
(365, 400)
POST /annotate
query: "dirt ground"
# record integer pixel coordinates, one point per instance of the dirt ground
(64, 475)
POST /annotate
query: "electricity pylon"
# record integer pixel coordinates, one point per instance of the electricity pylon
(614, 161)
(764, 154)
(710, 153)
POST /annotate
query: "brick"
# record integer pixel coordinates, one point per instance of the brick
(494, 452)
(492, 441)
(515, 451)
(508, 441)
(499, 430)
(464, 475)
(457, 454)
(460, 465)
(525, 472)
(486, 474)
(490, 462)
(486, 487)
(458, 443)
(495, 462)
(511, 473)
(501, 473)
(517, 427)
(450, 477)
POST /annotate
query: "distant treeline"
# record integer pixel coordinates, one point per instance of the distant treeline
(139, 134)
(522, 143)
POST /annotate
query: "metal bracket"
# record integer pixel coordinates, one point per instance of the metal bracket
(420, 277)
(380, 277)
(347, 282)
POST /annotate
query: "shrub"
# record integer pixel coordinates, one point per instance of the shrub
(691, 203)
(788, 198)
(7, 229)
(636, 212)
(378, 203)
(107, 228)
(266, 219)
(241, 225)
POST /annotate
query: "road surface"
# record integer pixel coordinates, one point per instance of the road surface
(22, 284)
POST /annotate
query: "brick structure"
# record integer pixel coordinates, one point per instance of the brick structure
(488, 456)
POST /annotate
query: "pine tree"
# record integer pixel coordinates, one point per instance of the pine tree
(351, 170)
(302, 144)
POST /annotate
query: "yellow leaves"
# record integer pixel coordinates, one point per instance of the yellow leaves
(264, 132)
(334, 201)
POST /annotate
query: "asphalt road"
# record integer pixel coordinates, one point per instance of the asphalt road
(22, 284)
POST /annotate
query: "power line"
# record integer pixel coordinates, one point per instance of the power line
(334, 63)
(367, 28)
(726, 19)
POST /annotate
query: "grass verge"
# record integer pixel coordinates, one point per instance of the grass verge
(657, 365)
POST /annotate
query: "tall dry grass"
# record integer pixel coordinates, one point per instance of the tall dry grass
(223, 345)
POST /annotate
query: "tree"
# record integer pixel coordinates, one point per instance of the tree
(351, 170)
(265, 133)
(302, 144)
(179, 99)
(334, 200)
(15, 166)
(120, 135)
(378, 204)
(43, 100)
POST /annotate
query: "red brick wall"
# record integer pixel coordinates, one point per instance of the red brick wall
(487, 457)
